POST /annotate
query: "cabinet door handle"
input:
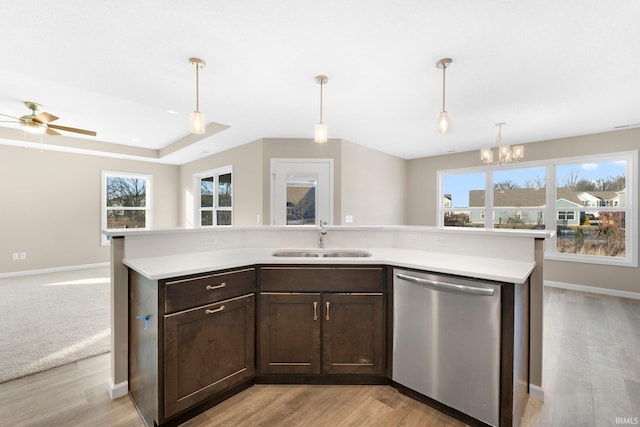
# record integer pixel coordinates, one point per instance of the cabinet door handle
(328, 305)
(213, 288)
(315, 310)
(217, 310)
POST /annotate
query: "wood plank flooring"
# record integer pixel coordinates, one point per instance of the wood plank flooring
(591, 377)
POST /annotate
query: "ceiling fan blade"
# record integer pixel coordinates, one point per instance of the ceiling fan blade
(45, 118)
(6, 115)
(52, 132)
(10, 121)
(76, 130)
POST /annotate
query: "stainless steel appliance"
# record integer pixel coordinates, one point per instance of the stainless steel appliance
(446, 341)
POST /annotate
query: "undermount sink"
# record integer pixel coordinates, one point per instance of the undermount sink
(321, 253)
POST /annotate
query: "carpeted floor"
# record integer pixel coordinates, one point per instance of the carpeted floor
(49, 320)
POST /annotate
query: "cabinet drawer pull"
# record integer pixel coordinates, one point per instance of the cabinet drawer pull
(213, 288)
(217, 310)
(315, 310)
(328, 305)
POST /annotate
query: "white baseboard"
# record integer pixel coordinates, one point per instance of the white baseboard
(593, 289)
(54, 270)
(118, 390)
(536, 392)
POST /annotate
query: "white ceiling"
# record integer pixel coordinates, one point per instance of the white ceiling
(547, 68)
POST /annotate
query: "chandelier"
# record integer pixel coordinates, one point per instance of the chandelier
(506, 153)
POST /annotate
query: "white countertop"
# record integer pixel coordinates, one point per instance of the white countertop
(162, 267)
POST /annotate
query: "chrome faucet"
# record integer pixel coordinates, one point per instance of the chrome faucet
(321, 233)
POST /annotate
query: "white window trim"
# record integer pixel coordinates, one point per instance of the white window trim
(551, 211)
(104, 240)
(197, 218)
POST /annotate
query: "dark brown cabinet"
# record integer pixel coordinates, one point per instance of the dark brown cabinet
(312, 333)
(289, 333)
(353, 334)
(190, 339)
(207, 350)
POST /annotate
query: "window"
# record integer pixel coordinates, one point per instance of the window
(214, 204)
(126, 201)
(598, 229)
(590, 203)
(463, 200)
(566, 215)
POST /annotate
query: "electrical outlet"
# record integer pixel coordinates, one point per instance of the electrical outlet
(348, 219)
(15, 256)
(23, 256)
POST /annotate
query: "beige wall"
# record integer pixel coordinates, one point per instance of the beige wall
(51, 205)
(422, 192)
(360, 165)
(373, 186)
(247, 183)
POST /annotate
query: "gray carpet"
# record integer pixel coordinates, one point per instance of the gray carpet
(49, 320)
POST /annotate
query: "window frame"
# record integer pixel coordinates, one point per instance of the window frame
(148, 208)
(551, 210)
(197, 208)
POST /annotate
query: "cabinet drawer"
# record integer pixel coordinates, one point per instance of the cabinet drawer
(322, 279)
(188, 292)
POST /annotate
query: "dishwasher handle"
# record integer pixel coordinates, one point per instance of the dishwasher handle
(444, 286)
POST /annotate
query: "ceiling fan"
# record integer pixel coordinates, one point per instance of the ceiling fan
(41, 123)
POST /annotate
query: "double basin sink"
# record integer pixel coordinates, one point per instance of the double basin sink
(306, 253)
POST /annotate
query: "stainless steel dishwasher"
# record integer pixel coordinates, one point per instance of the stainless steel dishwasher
(446, 341)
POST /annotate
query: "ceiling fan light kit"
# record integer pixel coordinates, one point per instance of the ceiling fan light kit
(41, 123)
(197, 122)
(443, 123)
(320, 132)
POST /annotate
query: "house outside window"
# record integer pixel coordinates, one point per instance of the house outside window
(589, 204)
(214, 197)
(126, 202)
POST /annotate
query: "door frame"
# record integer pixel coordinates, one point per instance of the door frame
(272, 194)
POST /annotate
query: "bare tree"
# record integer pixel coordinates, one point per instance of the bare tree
(537, 182)
(571, 179)
(506, 185)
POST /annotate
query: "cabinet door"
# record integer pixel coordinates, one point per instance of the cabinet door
(207, 349)
(289, 333)
(353, 334)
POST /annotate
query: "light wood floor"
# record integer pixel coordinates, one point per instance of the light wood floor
(591, 377)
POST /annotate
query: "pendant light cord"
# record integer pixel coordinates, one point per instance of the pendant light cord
(444, 72)
(321, 101)
(197, 87)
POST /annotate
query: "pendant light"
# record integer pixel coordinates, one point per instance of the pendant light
(443, 123)
(506, 154)
(320, 134)
(196, 121)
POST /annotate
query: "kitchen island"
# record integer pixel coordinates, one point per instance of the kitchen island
(155, 256)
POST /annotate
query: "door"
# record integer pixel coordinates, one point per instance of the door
(301, 191)
(353, 334)
(207, 350)
(289, 333)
